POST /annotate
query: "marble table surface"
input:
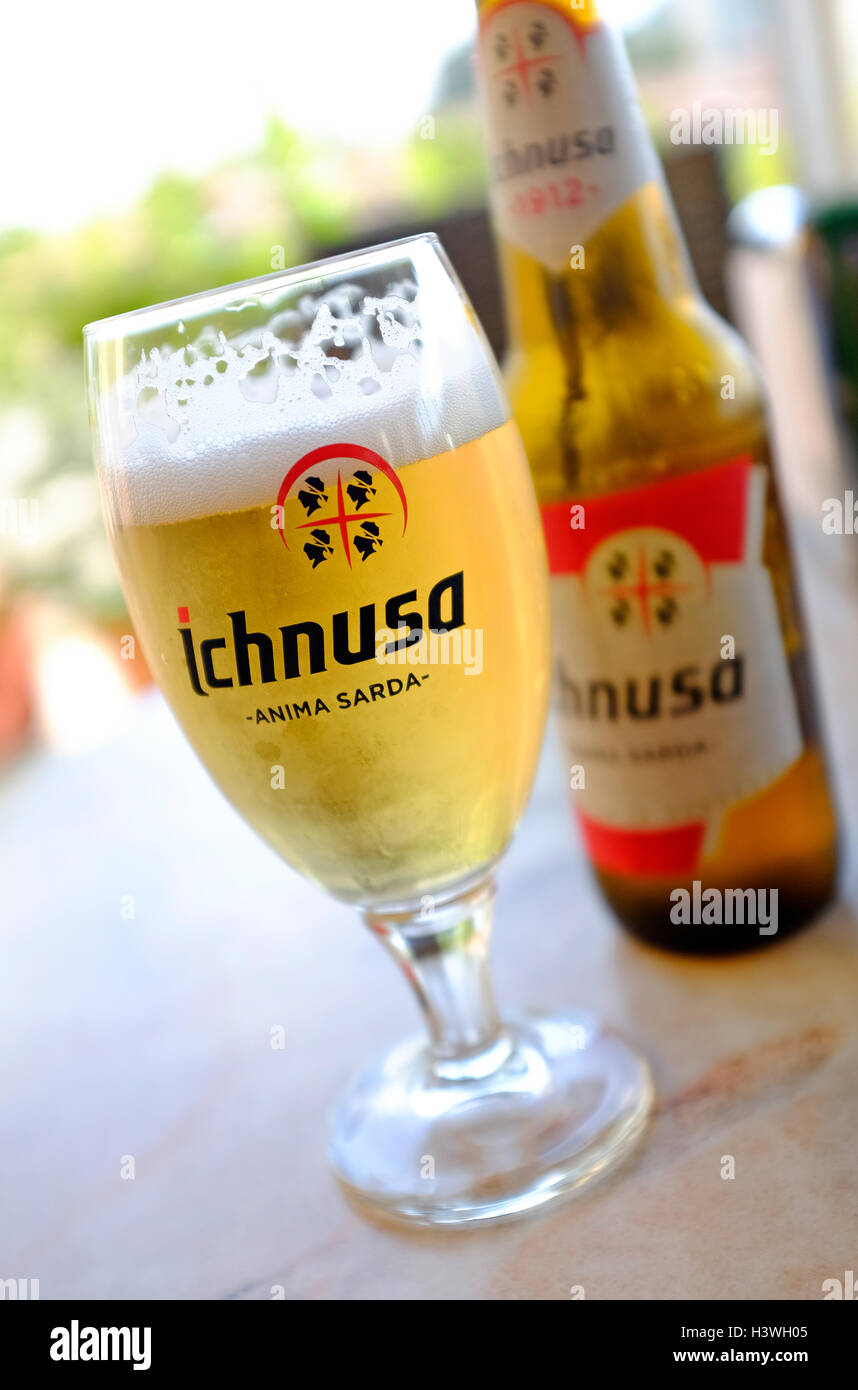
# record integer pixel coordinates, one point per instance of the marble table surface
(149, 1038)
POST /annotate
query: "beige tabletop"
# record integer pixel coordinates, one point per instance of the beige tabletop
(148, 1038)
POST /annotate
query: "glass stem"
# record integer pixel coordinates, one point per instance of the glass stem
(442, 948)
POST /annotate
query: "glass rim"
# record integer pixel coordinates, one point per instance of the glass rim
(109, 328)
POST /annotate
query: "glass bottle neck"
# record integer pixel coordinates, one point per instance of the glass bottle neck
(634, 269)
(584, 12)
(585, 224)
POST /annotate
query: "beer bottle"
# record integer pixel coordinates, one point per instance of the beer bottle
(695, 766)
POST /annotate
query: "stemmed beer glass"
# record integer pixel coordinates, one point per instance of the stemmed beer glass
(327, 537)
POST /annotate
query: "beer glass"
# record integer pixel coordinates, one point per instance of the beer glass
(328, 539)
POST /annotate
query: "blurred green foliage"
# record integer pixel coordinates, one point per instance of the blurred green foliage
(286, 202)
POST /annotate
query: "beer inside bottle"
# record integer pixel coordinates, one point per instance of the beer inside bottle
(681, 665)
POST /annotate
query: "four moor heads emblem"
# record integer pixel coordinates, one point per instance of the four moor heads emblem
(341, 500)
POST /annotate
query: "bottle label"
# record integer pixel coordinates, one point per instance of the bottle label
(674, 688)
(566, 137)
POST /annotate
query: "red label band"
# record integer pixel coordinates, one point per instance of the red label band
(708, 509)
(654, 853)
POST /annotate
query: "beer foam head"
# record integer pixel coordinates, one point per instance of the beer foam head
(212, 417)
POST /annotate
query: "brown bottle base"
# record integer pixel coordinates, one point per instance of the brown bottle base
(646, 915)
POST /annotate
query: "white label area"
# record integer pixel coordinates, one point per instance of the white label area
(566, 137)
(674, 688)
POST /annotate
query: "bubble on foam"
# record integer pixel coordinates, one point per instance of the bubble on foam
(214, 424)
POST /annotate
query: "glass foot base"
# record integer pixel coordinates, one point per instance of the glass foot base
(563, 1101)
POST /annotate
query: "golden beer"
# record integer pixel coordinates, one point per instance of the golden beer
(388, 770)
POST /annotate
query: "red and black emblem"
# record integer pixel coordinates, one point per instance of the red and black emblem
(347, 510)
